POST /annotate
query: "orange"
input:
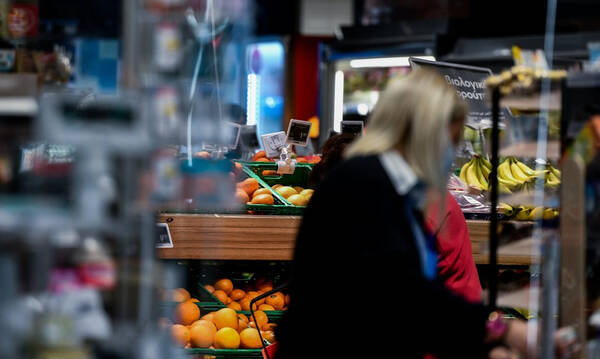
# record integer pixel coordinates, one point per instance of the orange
(180, 334)
(250, 339)
(269, 326)
(276, 300)
(298, 200)
(248, 185)
(276, 186)
(237, 294)
(265, 307)
(261, 191)
(287, 299)
(269, 173)
(298, 189)
(194, 300)
(209, 288)
(268, 335)
(261, 282)
(242, 324)
(180, 295)
(237, 168)
(226, 317)
(234, 306)
(259, 154)
(241, 196)
(307, 192)
(251, 325)
(301, 160)
(201, 336)
(263, 199)
(252, 294)
(245, 303)
(243, 317)
(206, 323)
(222, 296)
(186, 313)
(227, 338)
(225, 285)
(210, 317)
(261, 318)
(286, 191)
(202, 154)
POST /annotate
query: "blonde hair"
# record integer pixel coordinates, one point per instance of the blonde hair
(413, 114)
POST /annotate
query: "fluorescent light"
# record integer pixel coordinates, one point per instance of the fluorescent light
(400, 61)
(252, 106)
(338, 101)
(18, 106)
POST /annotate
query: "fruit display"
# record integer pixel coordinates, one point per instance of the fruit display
(239, 299)
(528, 213)
(261, 156)
(221, 329)
(297, 196)
(513, 175)
(249, 191)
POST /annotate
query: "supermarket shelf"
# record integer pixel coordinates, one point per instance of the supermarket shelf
(529, 150)
(528, 199)
(253, 237)
(521, 252)
(236, 237)
(532, 102)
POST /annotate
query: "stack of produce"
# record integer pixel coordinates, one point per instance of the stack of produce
(529, 213)
(297, 196)
(513, 175)
(223, 329)
(238, 299)
(249, 191)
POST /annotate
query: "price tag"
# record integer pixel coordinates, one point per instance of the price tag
(163, 236)
(298, 132)
(273, 143)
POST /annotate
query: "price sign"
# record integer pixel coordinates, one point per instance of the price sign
(354, 128)
(163, 236)
(273, 143)
(298, 132)
(469, 82)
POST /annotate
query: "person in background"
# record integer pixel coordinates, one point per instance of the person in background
(364, 244)
(455, 265)
(332, 154)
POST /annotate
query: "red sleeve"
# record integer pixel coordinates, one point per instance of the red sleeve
(456, 267)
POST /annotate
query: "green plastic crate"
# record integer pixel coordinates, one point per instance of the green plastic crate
(200, 353)
(300, 176)
(281, 206)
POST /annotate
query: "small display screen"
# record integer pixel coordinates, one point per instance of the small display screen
(298, 132)
(352, 127)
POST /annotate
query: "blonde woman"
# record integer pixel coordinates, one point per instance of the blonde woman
(364, 277)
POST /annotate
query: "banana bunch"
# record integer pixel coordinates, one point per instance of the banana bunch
(475, 173)
(528, 213)
(552, 177)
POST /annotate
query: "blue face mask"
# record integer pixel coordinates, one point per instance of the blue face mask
(448, 159)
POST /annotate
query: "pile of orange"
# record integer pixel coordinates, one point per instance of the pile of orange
(223, 329)
(238, 299)
(249, 191)
(297, 196)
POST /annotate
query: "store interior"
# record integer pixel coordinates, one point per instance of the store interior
(157, 158)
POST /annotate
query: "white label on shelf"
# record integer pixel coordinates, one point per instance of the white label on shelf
(163, 236)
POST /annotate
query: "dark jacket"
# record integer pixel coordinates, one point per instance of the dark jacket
(357, 289)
